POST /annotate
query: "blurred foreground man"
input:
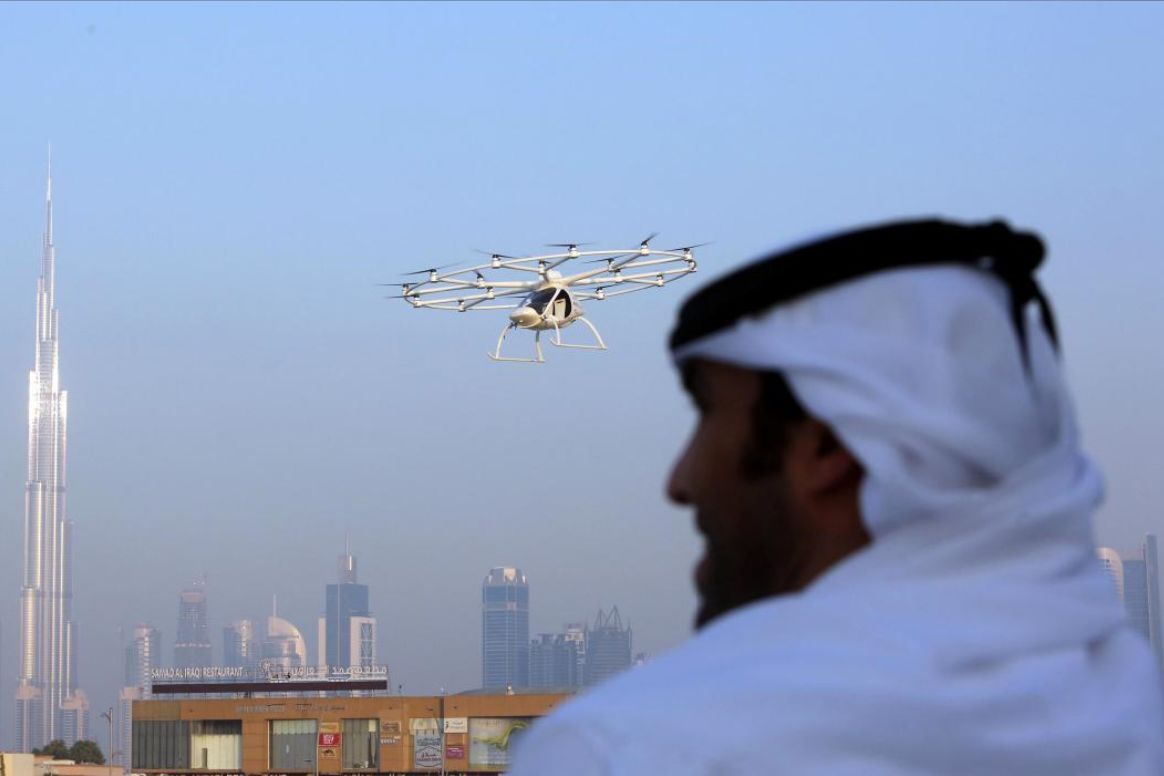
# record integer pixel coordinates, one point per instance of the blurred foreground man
(899, 574)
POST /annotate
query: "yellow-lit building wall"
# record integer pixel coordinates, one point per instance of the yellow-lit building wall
(401, 719)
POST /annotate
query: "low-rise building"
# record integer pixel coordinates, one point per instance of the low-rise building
(283, 735)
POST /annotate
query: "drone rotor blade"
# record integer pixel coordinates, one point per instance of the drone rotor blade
(491, 254)
(689, 247)
(567, 245)
(609, 258)
(652, 236)
(430, 270)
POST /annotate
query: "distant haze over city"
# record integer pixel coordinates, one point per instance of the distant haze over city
(231, 181)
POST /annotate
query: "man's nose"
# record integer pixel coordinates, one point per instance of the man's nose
(677, 482)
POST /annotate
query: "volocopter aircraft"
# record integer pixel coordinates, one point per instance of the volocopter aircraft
(551, 300)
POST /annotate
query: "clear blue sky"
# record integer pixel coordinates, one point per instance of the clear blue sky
(231, 180)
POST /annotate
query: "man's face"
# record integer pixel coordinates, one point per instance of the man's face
(755, 538)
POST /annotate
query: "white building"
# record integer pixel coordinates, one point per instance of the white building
(1136, 576)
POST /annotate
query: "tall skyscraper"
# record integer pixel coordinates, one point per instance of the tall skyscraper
(142, 655)
(608, 647)
(192, 644)
(283, 647)
(240, 647)
(347, 631)
(505, 629)
(554, 662)
(1136, 578)
(46, 695)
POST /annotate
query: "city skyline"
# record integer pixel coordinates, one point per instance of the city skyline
(48, 704)
(233, 180)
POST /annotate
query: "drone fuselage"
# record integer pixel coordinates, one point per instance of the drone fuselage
(550, 307)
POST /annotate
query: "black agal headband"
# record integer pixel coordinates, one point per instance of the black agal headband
(994, 247)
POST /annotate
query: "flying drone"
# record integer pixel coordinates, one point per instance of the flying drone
(551, 300)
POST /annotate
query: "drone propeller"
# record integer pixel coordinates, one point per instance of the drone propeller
(430, 270)
(686, 248)
(493, 255)
(652, 236)
(609, 258)
(567, 245)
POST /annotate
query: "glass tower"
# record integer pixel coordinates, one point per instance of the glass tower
(347, 632)
(608, 647)
(239, 645)
(46, 695)
(192, 644)
(505, 629)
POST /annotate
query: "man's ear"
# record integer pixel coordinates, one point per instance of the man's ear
(823, 465)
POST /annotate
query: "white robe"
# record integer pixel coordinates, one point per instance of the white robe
(976, 634)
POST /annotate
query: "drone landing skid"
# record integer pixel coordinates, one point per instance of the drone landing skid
(496, 355)
(557, 340)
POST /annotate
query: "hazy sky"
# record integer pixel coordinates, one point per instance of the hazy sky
(232, 180)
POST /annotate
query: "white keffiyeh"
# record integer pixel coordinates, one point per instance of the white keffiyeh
(976, 634)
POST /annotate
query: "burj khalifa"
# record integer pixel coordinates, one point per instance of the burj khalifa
(48, 704)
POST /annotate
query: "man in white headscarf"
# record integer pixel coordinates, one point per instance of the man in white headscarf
(900, 573)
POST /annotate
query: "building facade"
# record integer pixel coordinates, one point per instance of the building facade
(48, 704)
(347, 631)
(383, 734)
(283, 647)
(143, 654)
(554, 662)
(192, 643)
(608, 647)
(505, 629)
(192, 648)
(1137, 581)
(240, 647)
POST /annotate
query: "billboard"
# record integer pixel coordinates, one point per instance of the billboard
(491, 741)
(426, 750)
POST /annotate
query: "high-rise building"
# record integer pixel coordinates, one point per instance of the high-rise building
(283, 647)
(125, 699)
(46, 695)
(505, 629)
(1136, 578)
(143, 654)
(240, 647)
(554, 662)
(75, 717)
(347, 630)
(192, 643)
(1152, 571)
(608, 647)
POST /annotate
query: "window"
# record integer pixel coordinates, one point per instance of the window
(361, 744)
(293, 744)
(161, 745)
(216, 744)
